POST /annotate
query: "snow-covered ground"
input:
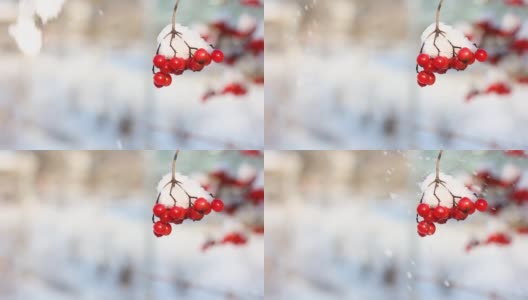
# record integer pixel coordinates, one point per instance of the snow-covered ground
(351, 249)
(363, 97)
(93, 100)
(103, 248)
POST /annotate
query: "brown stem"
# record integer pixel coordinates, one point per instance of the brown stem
(174, 166)
(174, 15)
(438, 15)
(437, 179)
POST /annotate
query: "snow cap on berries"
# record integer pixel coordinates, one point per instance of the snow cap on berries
(444, 41)
(511, 173)
(246, 23)
(246, 173)
(179, 43)
(510, 23)
(449, 186)
(179, 192)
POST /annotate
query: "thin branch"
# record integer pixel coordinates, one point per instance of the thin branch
(438, 165)
(174, 165)
(174, 15)
(438, 15)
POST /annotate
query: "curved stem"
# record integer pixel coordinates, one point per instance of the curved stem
(174, 15)
(174, 166)
(438, 165)
(438, 15)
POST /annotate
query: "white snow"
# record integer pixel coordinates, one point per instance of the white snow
(186, 187)
(445, 42)
(27, 36)
(189, 38)
(25, 32)
(445, 191)
(48, 9)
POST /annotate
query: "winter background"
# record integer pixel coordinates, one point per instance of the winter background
(352, 83)
(76, 225)
(90, 84)
(341, 225)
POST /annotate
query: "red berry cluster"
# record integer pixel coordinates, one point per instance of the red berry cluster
(441, 64)
(515, 2)
(441, 214)
(177, 214)
(251, 3)
(178, 65)
(233, 238)
(497, 238)
(498, 88)
(235, 88)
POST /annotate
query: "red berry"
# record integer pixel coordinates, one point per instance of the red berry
(431, 228)
(465, 55)
(481, 55)
(165, 217)
(422, 60)
(217, 205)
(166, 69)
(430, 216)
(159, 228)
(423, 228)
(177, 64)
(217, 56)
(177, 213)
(422, 78)
(466, 205)
(159, 79)
(195, 66)
(201, 205)
(167, 80)
(202, 56)
(459, 215)
(481, 205)
(441, 63)
(441, 212)
(195, 215)
(167, 229)
(423, 209)
(431, 78)
(159, 61)
(429, 67)
(458, 65)
(159, 209)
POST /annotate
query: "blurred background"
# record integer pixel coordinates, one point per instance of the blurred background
(341, 225)
(352, 80)
(78, 225)
(91, 87)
